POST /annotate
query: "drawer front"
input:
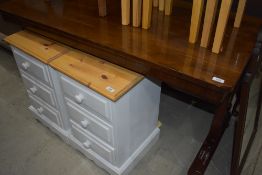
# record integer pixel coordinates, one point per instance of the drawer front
(85, 97)
(91, 145)
(32, 66)
(43, 110)
(89, 122)
(38, 90)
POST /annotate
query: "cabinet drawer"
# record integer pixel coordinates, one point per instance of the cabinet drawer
(32, 66)
(38, 90)
(91, 145)
(89, 122)
(85, 97)
(43, 110)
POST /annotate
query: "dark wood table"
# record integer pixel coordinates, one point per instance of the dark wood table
(162, 52)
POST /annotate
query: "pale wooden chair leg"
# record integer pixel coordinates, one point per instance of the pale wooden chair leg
(155, 3)
(147, 13)
(196, 20)
(168, 7)
(137, 12)
(221, 24)
(102, 7)
(161, 5)
(240, 12)
(125, 9)
(210, 16)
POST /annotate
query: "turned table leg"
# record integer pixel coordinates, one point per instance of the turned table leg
(212, 140)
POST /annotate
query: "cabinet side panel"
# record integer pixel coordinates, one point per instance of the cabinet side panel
(135, 117)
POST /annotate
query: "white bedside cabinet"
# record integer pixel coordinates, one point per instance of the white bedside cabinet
(108, 113)
(38, 83)
(113, 134)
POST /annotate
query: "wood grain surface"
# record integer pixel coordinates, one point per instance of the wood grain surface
(37, 46)
(162, 52)
(97, 74)
(210, 16)
(196, 17)
(221, 24)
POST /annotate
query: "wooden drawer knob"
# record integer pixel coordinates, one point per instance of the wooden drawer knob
(25, 65)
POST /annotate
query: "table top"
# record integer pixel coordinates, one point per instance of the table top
(162, 52)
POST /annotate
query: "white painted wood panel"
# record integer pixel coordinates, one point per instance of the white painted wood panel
(89, 122)
(85, 97)
(113, 134)
(42, 109)
(32, 66)
(89, 144)
(45, 94)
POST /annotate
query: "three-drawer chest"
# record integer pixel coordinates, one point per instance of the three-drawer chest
(105, 111)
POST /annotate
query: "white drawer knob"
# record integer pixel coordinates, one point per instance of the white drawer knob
(33, 89)
(40, 110)
(32, 108)
(87, 144)
(84, 123)
(79, 98)
(25, 65)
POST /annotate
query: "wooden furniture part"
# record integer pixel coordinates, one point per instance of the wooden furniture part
(137, 12)
(168, 7)
(37, 79)
(110, 45)
(112, 133)
(155, 3)
(240, 12)
(248, 101)
(102, 7)
(147, 13)
(103, 77)
(196, 17)
(37, 47)
(44, 49)
(221, 25)
(161, 5)
(125, 10)
(167, 56)
(104, 130)
(210, 144)
(210, 15)
(249, 112)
